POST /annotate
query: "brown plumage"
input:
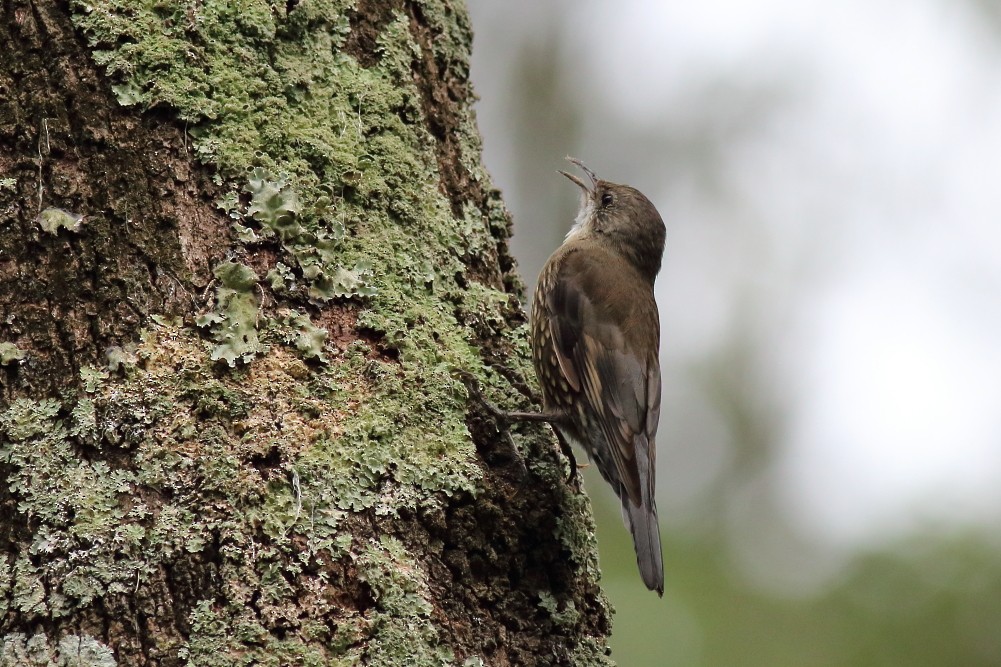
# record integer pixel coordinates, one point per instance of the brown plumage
(595, 340)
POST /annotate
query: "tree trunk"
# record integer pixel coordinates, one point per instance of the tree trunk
(244, 247)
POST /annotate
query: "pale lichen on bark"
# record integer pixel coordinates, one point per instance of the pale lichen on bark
(250, 489)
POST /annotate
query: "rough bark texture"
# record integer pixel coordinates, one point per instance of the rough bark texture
(243, 247)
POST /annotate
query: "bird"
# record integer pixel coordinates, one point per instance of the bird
(595, 338)
(595, 333)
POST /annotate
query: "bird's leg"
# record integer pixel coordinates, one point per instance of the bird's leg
(567, 450)
(505, 416)
(473, 387)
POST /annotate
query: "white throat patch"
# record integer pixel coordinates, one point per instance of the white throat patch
(584, 216)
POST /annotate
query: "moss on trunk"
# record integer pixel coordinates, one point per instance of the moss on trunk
(231, 432)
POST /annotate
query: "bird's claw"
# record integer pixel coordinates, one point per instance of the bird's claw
(504, 418)
(473, 388)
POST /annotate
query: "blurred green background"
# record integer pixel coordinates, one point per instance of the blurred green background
(829, 460)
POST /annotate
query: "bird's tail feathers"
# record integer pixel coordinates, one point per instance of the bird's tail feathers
(645, 529)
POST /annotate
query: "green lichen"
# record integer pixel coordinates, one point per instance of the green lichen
(10, 353)
(311, 236)
(591, 652)
(119, 358)
(404, 632)
(52, 219)
(274, 205)
(234, 321)
(193, 432)
(565, 615)
(350, 144)
(281, 279)
(28, 592)
(92, 378)
(302, 335)
(75, 505)
(339, 282)
(127, 94)
(19, 650)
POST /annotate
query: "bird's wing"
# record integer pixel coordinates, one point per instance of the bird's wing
(607, 353)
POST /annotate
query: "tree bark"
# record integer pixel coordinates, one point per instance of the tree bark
(244, 249)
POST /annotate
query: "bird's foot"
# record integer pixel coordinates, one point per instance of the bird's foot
(473, 388)
(573, 478)
(504, 417)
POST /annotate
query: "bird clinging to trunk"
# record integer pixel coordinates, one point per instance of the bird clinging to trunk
(595, 342)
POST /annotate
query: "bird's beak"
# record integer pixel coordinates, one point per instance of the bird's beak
(579, 183)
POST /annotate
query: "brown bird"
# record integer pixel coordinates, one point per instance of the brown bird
(595, 340)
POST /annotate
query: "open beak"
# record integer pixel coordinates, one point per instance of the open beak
(579, 183)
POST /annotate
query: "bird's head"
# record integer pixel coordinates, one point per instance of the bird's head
(620, 216)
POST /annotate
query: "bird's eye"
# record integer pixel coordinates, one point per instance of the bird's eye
(607, 199)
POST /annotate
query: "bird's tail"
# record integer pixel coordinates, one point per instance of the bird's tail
(645, 529)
